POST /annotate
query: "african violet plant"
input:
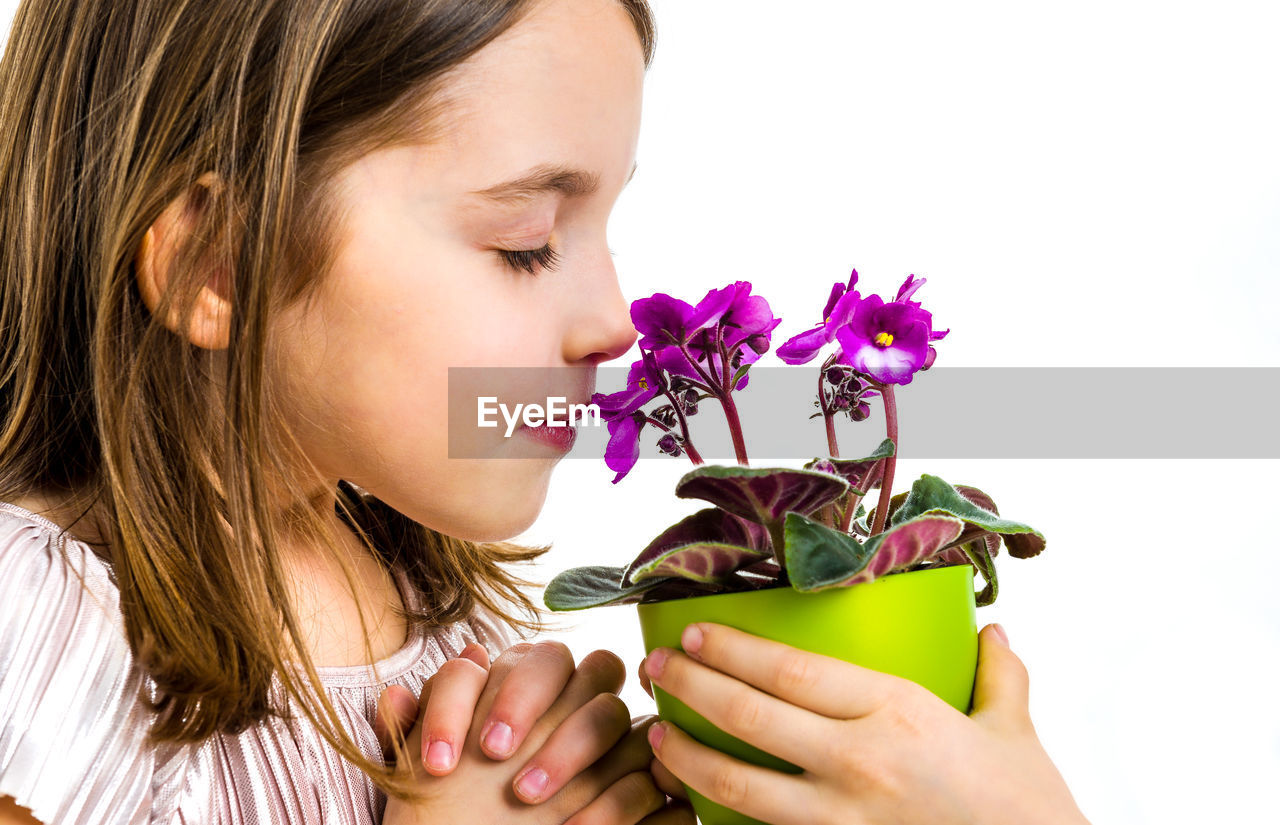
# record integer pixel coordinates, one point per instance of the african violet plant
(774, 527)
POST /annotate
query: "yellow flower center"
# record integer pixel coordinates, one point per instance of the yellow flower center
(644, 383)
(884, 339)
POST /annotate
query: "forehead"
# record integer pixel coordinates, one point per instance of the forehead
(561, 87)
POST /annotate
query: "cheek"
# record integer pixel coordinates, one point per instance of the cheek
(374, 391)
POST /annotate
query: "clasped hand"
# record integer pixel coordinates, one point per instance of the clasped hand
(566, 726)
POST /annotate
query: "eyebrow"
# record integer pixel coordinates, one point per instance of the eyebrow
(545, 179)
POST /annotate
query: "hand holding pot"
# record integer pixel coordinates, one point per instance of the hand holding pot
(875, 748)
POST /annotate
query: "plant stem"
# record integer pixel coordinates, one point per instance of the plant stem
(710, 383)
(828, 414)
(886, 483)
(684, 429)
(735, 427)
(849, 510)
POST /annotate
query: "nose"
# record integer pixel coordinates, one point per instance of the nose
(600, 327)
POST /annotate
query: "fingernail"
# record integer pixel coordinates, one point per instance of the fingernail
(656, 733)
(691, 641)
(656, 662)
(532, 783)
(498, 739)
(999, 631)
(439, 755)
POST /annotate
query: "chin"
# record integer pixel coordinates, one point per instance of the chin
(496, 512)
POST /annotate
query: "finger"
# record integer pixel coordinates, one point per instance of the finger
(628, 800)
(631, 753)
(397, 710)
(448, 707)
(549, 704)
(667, 781)
(1001, 686)
(477, 653)
(524, 695)
(771, 724)
(822, 684)
(762, 793)
(644, 680)
(581, 739)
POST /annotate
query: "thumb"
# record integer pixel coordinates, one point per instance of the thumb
(1001, 686)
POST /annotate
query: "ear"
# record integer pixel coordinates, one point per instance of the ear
(210, 326)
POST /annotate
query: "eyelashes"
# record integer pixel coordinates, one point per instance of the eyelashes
(525, 259)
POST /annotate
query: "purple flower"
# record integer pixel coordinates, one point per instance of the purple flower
(730, 315)
(741, 313)
(888, 342)
(643, 383)
(800, 349)
(622, 415)
(908, 288)
(623, 449)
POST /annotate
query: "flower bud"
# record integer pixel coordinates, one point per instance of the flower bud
(860, 412)
(759, 343)
(929, 359)
(669, 445)
(840, 403)
(835, 374)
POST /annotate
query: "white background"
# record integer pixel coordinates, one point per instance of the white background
(1083, 184)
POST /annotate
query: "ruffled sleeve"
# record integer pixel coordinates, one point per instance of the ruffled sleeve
(72, 726)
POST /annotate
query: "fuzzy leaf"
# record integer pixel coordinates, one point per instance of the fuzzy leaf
(957, 555)
(977, 497)
(931, 494)
(710, 525)
(819, 558)
(592, 586)
(763, 495)
(701, 561)
(1024, 545)
(669, 589)
(863, 474)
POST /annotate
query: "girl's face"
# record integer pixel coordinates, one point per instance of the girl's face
(421, 283)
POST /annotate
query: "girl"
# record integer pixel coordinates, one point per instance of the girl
(240, 246)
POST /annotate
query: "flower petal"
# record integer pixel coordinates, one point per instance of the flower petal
(800, 349)
(661, 320)
(623, 449)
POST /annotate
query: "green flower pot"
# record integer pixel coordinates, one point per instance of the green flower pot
(919, 625)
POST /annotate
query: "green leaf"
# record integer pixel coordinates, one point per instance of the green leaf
(710, 524)
(761, 494)
(931, 494)
(819, 557)
(592, 586)
(704, 561)
(863, 474)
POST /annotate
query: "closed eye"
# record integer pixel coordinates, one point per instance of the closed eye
(526, 259)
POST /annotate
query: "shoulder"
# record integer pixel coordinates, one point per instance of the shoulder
(72, 723)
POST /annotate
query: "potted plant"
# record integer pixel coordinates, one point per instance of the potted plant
(792, 554)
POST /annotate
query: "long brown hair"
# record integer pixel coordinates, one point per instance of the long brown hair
(109, 110)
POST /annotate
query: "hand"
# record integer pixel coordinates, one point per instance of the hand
(573, 730)
(875, 748)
